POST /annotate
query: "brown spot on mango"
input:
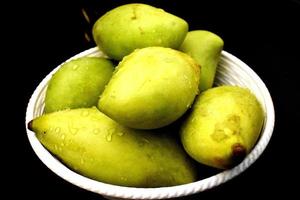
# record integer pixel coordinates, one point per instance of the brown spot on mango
(223, 130)
(220, 162)
(219, 135)
(239, 152)
(134, 7)
(141, 30)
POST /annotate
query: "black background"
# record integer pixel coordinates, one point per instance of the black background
(264, 34)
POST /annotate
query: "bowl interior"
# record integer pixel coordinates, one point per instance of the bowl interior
(231, 71)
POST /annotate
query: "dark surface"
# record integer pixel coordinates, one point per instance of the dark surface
(264, 34)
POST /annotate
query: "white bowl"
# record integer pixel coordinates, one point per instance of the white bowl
(231, 71)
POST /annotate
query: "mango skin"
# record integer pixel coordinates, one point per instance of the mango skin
(128, 27)
(205, 47)
(95, 146)
(151, 88)
(223, 126)
(78, 83)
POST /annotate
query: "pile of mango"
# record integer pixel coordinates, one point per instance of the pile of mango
(110, 123)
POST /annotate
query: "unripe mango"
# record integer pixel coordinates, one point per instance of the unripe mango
(223, 126)
(205, 47)
(128, 27)
(95, 146)
(151, 88)
(78, 83)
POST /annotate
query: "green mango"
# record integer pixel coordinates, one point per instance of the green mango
(205, 47)
(78, 83)
(151, 88)
(128, 27)
(223, 126)
(95, 146)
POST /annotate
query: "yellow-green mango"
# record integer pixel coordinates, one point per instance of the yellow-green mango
(151, 88)
(78, 83)
(128, 27)
(95, 146)
(223, 126)
(205, 47)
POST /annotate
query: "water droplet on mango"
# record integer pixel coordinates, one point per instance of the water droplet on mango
(142, 142)
(96, 131)
(57, 130)
(73, 130)
(82, 161)
(109, 134)
(120, 133)
(85, 113)
(108, 137)
(75, 67)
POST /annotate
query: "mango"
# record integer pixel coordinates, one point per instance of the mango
(78, 83)
(205, 47)
(128, 27)
(95, 146)
(151, 88)
(223, 126)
